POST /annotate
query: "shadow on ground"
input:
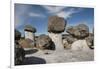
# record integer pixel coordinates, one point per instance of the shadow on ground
(33, 60)
(31, 51)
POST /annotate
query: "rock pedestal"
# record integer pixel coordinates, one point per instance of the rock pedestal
(57, 39)
(29, 35)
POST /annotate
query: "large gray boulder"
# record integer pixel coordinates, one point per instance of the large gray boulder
(44, 42)
(56, 24)
(80, 31)
(30, 28)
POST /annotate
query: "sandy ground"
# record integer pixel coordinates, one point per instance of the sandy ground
(34, 56)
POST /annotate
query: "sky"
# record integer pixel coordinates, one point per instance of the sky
(37, 16)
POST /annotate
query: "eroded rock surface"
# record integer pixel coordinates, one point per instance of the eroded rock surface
(80, 31)
(56, 24)
(80, 45)
(44, 42)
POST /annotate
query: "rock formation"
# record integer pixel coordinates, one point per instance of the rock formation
(30, 28)
(80, 45)
(80, 31)
(30, 33)
(44, 42)
(26, 43)
(56, 25)
(19, 53)
(66, 44)
(68, 40)
(90, 40)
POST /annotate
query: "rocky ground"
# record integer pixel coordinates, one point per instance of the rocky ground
(34, 56)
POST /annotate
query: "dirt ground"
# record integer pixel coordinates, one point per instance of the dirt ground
(35, 56)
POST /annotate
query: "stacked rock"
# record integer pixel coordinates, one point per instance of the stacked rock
(56, 25)
(30, 33)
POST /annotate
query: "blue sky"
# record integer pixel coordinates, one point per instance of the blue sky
(37, 16)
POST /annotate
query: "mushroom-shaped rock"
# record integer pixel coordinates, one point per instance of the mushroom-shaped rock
(30, 32)
(44, 42)
(30, 28)
(80, 31)
(17, 35)
(56, 25)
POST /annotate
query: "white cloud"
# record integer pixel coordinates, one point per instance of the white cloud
(66, 14)
(59, 11)
(53, 9)
(32, 14)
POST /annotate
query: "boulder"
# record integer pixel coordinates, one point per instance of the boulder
(66, 44)
(56, 24)
(19, 54)
(26, 43)
(90, 40)
(80, 45)
(44, 42)
(80, 31)
(30, 28)
(69, 38)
